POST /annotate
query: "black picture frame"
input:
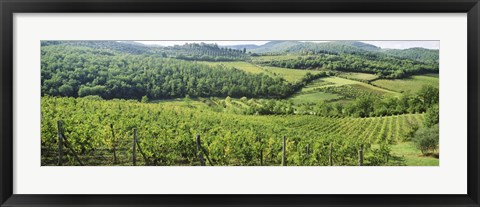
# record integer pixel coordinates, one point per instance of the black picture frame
(9, 7)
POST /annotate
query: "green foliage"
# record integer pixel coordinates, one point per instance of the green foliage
(92, 90)
(205, 52)
(346, 48)
(384, 67)
(166, 134)
(432, 116)
(187, 100)
(350, 91)
(420, 54)
(110, 75)
(364, 106)
(412, 84)
(379, 156)
(66, 90)
(246, 127)
(366, 103)
(362, 77)
(429, 95)
(194, 51)
(427, 139)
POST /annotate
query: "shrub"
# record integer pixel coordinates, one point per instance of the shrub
(432, 116)
(427, 139)
(145, 99)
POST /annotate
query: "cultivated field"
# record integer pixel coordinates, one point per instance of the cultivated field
(166, 134)
(412, 84)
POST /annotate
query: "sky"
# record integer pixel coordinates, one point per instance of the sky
(382, 44)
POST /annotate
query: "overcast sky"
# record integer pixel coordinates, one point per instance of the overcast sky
(382, 44)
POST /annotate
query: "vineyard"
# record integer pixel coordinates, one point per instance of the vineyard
(279, 103)
(99, 132)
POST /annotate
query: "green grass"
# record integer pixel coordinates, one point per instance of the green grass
(412, 84)
(337, 81)
(314, 97)
(315, 84)
(412, 155)
(290, 75)
(358, 76)
(247, 67)
(309, 95)
(432, 75)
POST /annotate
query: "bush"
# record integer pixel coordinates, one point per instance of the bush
(93, 90)
(145, 99)
(432, 116)
(427, 139)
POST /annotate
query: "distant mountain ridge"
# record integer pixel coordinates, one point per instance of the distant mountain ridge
(340, 47)
(273, 47)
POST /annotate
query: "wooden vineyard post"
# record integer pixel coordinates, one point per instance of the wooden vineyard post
(134, 150)
(261, 156)
(284, 158)
(260, 151)
(360, 156)
(60, 143)
(199, 151)
(114, 145)
(330, 156)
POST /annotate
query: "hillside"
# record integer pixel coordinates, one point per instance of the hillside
(343, 47)
(74, 70)
(342, 103)
(420, 54)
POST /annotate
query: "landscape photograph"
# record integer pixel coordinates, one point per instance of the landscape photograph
(240, 103)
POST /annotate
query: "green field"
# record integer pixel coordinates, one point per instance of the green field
(315, 84)
(291, 75)
(314, 97)
(332, 88)
(412, 84)
(412, 156)
(247, 67)
(436, 75)
(358, 76)
(337, 81)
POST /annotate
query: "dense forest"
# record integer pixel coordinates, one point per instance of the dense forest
(81, 71)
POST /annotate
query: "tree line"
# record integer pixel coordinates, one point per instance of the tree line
(384, 67)
(205, 52)
(363, 105)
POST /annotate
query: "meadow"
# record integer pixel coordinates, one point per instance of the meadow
(408, 85)
(364, 77)
(290, 75)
